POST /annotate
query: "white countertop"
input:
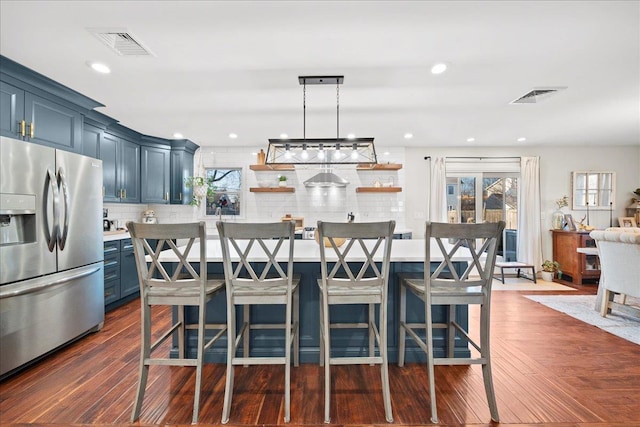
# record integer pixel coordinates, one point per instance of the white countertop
(309, 251)
(123, 234)
(109, 236)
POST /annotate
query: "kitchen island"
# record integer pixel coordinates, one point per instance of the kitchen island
(407, 256)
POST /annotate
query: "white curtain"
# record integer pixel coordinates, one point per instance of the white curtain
(438, 191)
(529, 229)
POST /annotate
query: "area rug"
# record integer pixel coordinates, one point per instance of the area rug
(581, 307)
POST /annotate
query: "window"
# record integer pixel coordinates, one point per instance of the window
(225, 191)
(593, 190)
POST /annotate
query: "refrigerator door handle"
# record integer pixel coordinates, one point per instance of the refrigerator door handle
(51, 235)
(63, 230)
(46, 284)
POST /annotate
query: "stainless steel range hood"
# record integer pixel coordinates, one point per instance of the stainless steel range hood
(326, 179)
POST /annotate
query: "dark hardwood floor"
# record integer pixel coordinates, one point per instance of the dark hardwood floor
(549, 369)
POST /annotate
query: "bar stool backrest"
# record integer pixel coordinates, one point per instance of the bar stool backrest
(476, 242)
(366, 243)
(264, 244)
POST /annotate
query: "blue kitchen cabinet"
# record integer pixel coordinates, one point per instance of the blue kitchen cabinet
(11, 110)
(120, 274)
(155, 170)
(111, 272)
(120, 169)
(128, 274)
(181, 168)
(32, 118)
(130, 171)
(109, 154)
(91, 140)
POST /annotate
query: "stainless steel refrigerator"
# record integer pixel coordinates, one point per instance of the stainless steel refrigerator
(51, 250)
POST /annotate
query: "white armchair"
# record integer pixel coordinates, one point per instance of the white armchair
(619, 253)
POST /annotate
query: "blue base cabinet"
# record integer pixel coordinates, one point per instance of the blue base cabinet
(120, 274)
(129, 284)
(111, 272)
(344, 342)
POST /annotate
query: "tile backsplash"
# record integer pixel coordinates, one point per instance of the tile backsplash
(330, 204)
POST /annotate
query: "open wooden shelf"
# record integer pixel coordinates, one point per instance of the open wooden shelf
(379, 166)
(272, 167)
(272, 189)
(378, 189)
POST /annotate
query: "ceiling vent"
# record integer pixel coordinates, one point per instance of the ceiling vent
(538, 94)
(121, 41)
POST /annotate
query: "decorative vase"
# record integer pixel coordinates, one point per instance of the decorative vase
(557, 219)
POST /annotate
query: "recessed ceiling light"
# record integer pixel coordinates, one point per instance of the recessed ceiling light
(284, 136)
(351, 136)
(100, 68)
(386, 153)
(408, 135)
(178, 135)
(471, 139)
(439, 68)
(233, 135)
(522, 139)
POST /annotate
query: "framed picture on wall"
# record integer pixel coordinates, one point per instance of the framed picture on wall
(627, 221)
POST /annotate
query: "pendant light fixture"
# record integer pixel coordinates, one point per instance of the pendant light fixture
(321, 151)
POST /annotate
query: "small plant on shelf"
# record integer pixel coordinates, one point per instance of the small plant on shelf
(282, 180)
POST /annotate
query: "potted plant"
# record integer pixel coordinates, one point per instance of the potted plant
(200, 187)
(282, 181)
(549, 268)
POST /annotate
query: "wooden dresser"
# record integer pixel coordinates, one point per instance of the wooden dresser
(576, 265)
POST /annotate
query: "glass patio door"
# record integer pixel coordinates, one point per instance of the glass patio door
(486, 197)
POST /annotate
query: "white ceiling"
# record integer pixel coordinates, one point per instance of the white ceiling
(222, 67)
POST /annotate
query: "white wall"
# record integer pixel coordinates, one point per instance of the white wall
(312, 204)
(556, 165)
(409, 207)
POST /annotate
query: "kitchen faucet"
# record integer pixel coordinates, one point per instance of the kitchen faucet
(351, 217)
(219, 213)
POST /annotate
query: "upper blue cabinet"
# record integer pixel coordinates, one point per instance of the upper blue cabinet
(120, 168)
(182, 152)
(155, 169)
(36, 109)
(136, 168)
(32, 118)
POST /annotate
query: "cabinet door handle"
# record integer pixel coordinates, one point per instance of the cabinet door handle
(121, 196)
(104, 191)
(166, 196)
(125, 193)
(180, 196)
(22, 128)
(32, 130)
